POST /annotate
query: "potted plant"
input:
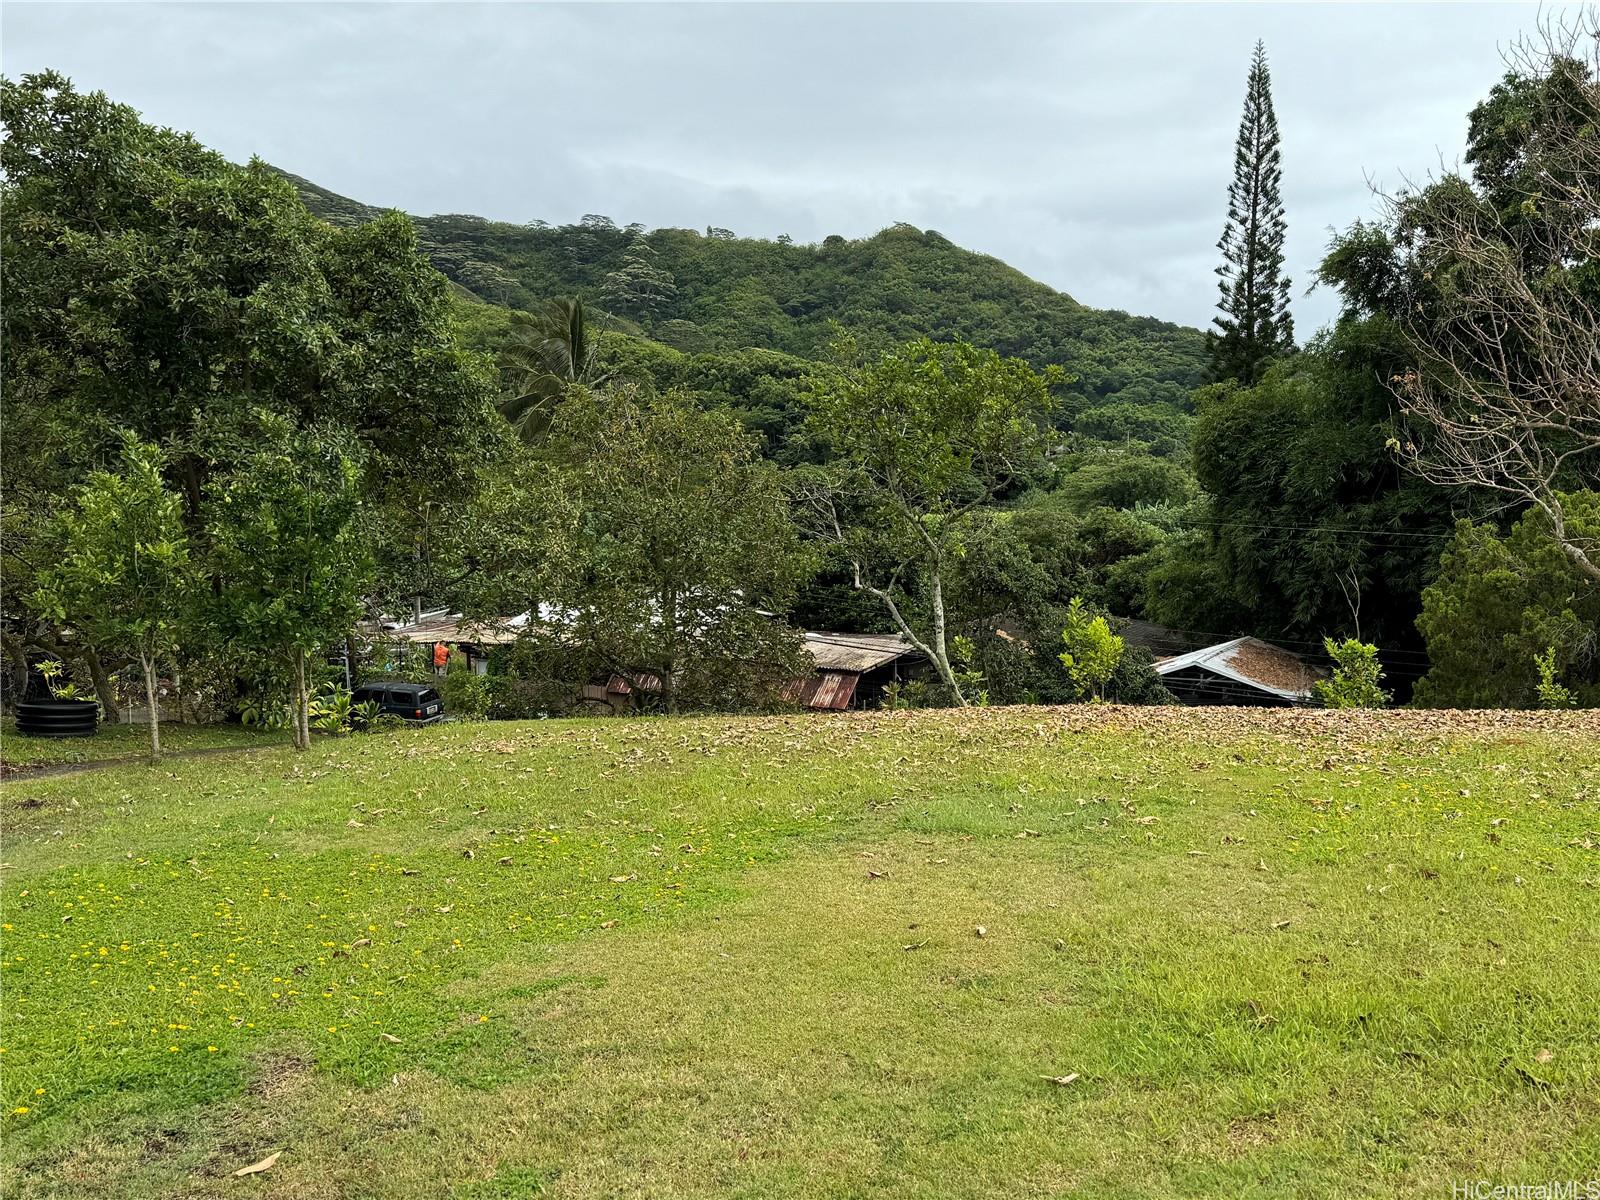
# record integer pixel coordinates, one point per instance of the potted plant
(65, 714)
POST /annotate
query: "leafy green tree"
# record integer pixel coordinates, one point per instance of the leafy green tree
(1092, 652)
(1357, 676)
(124, 578)
(921, 439)
(682, 550)
(1126, 480)
(554, 352)
(1254, 326)
(639, 285)
(150, 285)
(1499, 601)
(1309, 524)
(1493, 282)
(288, 550)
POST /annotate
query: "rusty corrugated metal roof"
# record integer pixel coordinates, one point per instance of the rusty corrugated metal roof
(825, 689)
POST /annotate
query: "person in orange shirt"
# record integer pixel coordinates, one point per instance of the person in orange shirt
(441, 657)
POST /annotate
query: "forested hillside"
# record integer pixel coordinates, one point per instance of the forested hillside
(714, 292)
(495, 419)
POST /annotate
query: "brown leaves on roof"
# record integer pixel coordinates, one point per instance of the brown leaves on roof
(1269, 665)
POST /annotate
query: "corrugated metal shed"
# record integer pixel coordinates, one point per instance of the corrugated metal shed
(1250, 663)
(857, 652)
(825, 689)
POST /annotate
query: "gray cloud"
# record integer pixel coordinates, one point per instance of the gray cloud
(1088, 145)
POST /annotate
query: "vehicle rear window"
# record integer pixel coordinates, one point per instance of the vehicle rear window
(428, 696)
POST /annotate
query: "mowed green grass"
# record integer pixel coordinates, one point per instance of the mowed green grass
(126, 742)
(1282, 953)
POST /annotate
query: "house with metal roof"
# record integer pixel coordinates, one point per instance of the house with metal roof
(1244, 671)
(853, 669)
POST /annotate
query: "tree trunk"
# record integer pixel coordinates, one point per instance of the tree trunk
(302, 727)
(17, 661)
(669, 688)
(102, 685)
(149, 665)
(941, 652)
(935, 652)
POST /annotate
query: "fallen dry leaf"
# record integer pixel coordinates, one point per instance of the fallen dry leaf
(390, 1038)
(1060, 1080)
(256, 1168)
(1283, 924)
(1543, 1056)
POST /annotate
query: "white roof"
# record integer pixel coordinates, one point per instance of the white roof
(1249, 661)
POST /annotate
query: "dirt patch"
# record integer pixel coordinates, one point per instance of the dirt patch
(1251, 1133)
(280, 1073)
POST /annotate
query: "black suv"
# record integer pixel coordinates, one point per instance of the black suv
(418, 703)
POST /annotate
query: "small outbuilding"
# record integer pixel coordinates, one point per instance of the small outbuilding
(853, 669)
(1245, 671)
(443, 632)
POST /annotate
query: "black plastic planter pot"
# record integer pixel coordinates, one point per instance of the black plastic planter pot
(58, 718)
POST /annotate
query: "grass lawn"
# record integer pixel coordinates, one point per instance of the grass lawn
(125, 741)
(1277, 954)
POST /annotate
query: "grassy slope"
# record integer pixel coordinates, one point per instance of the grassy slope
(674, 962)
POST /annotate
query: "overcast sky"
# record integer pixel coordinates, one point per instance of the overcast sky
(1088, 145)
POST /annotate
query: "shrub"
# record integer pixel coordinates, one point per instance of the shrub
(466, 695)
(1549, 690)
(1093, 651)
(1356, 676)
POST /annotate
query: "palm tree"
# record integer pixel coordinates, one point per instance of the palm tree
(551, 353)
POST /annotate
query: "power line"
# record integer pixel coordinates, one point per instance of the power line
(1356, 532)
(1314, 644)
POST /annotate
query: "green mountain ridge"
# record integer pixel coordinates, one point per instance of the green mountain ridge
(727, 294)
